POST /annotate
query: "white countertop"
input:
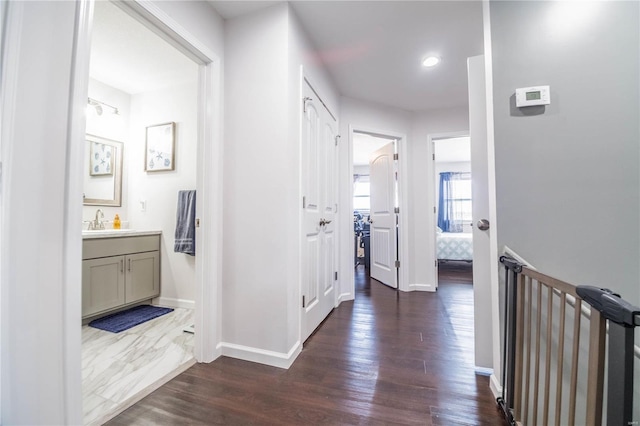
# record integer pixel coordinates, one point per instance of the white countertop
(114, 233)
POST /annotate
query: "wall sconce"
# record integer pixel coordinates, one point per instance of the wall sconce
(99, 107)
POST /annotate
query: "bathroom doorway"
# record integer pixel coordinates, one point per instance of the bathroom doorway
(138, 81)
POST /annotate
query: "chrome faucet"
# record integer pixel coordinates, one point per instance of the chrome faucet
(97, 223)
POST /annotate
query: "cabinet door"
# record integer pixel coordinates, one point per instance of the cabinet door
(102, 284)
(143, 276)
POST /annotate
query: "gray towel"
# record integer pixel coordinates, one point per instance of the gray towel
(186, 223)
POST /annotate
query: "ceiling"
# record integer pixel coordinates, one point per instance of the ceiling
(128, 56)
(453, 150)
(373, 49)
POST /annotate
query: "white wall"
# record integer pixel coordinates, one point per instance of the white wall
(261, 278)
(37, 302)
(115, 127)
(258, 252)
(159, 190)
(422, 188)
(419, 177)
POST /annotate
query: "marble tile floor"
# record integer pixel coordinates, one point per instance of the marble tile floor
(120, 369)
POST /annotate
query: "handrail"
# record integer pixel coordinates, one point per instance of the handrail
(523, 309)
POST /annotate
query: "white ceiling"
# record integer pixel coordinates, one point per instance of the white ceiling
(128, 56)
(453, 150)
(373, 49)
(364, 145)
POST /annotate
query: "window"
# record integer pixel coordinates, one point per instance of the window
(361, 200)
(454, 201)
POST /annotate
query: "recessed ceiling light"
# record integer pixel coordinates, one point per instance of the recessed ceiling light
(431, 61)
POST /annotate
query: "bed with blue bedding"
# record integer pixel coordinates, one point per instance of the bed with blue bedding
(455, 246)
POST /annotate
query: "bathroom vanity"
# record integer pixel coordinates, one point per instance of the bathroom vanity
(119, 268)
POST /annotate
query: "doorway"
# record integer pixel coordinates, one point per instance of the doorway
(376, 208)
(193, 105)
(454, 221)
(139, 83)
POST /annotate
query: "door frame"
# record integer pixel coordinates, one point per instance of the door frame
(403, 218)
(209, 183)
(432, 182)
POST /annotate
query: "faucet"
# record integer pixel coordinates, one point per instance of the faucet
(97, 223)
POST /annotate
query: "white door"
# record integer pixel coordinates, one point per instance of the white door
(383, 247)
(319, 209)
(480, 212)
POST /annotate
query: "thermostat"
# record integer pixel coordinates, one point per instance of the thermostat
(532, 96)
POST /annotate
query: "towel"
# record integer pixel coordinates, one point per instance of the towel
(186, 223)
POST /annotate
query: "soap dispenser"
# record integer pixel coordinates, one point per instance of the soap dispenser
(116, 222)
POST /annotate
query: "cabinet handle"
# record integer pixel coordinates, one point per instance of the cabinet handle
(129, 269)
(121, 265)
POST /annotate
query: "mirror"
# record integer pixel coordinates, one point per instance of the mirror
(103, 172)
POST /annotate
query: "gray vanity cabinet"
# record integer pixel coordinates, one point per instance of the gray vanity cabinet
(120, 271)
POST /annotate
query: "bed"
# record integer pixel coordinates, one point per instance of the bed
(455, 246)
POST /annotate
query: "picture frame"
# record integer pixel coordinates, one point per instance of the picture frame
(100, 159)
(160, 147)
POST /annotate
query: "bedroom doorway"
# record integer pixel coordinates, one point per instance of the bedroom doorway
(454, 221)
(375, 199)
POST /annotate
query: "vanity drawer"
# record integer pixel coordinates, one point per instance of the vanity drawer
(104, 247)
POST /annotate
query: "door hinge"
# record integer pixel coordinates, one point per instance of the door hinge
(304, 202)
(304, 103)
(436, 263)
(397, 263)
(335, 276)
(336, 139)
(433, 156)
(336, 211)
(395, 156)
(303, 302)
(396, 210)
(197, 223)
(434, 209)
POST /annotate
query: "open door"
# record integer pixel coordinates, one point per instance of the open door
(384, 237)
(480, 210)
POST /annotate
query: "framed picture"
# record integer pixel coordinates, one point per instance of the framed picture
(100, 159)
(159, 154)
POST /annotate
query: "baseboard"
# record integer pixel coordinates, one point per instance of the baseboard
(484, 371)
(422, 287)
(495, 386)
(261, 356)
(344, 297)
(170, 302)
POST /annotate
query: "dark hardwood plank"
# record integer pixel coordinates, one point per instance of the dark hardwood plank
(386, 358)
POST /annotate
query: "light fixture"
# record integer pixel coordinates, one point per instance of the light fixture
(431, 61)
(99, 106)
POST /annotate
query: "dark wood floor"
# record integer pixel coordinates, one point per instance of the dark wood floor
(386, 358)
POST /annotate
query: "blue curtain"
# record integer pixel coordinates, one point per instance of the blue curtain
(448, 219)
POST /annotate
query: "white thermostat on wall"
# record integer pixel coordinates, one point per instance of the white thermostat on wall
(532, 96)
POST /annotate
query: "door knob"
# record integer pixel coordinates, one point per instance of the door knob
(483, 224)
(324, 222)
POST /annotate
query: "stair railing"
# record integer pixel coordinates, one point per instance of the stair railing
(543, 331)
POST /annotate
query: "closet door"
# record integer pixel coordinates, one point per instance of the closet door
(318, 189)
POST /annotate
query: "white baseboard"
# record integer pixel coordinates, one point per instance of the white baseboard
(495, 386)
(261, 356)
(484, 371)
(344, 297)
(422, 287)
(170, 302)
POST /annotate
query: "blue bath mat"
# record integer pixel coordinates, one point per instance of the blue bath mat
(124, 320)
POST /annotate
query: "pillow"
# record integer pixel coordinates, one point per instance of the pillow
(438, 230)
